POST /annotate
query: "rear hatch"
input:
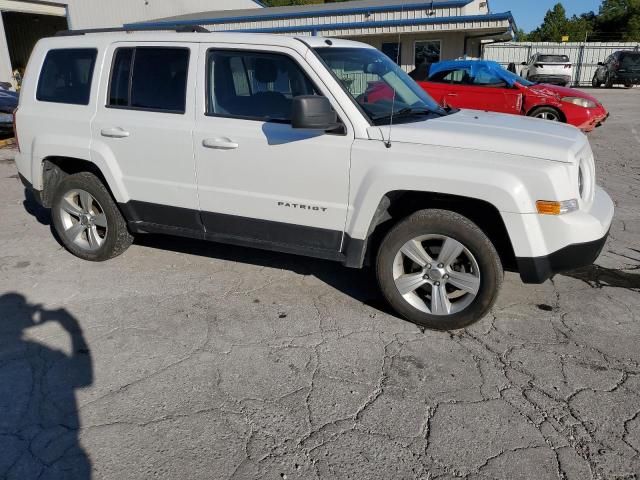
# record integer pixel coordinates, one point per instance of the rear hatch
(554, 65)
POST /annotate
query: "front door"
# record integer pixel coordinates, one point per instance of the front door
(143, 127)
(259, 180)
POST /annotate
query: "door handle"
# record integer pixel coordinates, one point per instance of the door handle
(222, 143)
(114, 132)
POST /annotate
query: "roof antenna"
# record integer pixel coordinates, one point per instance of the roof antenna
(393, 100)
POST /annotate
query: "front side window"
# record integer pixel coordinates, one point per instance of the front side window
(378, 85)
(66, 76)
(252, 85)
(149, 78)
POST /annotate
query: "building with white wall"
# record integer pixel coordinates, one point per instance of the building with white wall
(24, 22)
(407, 30)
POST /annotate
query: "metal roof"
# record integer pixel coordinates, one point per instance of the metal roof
(314, 10)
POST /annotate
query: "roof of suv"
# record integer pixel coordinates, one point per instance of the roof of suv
(106, 37)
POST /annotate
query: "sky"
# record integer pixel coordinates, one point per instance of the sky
(530, 13)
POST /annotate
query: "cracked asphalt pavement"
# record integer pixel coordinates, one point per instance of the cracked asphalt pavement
(184, 359)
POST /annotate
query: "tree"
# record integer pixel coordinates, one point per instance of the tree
(554, 26)
(619, 20)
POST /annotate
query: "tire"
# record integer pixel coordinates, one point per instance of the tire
(87, 220)
(595, 83)
(609, 81)
(546, 113)
(628, 85)
(478, 266)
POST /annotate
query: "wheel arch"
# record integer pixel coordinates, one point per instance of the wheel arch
(54, 168)
(399, 204)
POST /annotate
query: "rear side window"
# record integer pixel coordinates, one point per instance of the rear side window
(66, 76)
(149, 78)
(458, 77)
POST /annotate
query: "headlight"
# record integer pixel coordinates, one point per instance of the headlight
(6, 118)
(581, 102)
(547, 207)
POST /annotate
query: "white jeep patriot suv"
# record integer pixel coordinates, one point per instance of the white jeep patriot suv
(272, 142)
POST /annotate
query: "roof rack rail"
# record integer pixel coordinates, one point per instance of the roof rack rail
(176, 28)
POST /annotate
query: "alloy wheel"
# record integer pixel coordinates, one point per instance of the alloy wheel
(436, 274)
(83, 219)
(548, 116)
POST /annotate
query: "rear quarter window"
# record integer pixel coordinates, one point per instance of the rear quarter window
(66, 76)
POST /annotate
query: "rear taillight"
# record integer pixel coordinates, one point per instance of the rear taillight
(616, 65)
(15, 128)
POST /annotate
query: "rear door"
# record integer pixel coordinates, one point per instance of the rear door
(143, 127)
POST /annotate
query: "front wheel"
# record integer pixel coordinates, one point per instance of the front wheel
(87, 220)
(609, 82)
(437, 269)
(595, 83)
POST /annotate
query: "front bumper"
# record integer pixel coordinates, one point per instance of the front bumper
(540, 269)
(586, 119)
(574, 240)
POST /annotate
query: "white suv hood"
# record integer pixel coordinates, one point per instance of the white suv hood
(494, 132)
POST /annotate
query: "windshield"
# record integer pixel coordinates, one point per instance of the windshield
(378, 85)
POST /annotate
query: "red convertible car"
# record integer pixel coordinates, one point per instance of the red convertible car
(485, 85)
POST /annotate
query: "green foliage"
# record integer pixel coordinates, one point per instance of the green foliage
(618, 20)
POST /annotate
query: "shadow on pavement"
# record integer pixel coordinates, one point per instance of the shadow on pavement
(599, 277)
(33, 208)
(358, 284)
(39, 418)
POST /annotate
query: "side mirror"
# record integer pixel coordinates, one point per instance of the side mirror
(313, 112)
(524, 63)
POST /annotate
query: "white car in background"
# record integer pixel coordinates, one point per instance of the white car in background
(548, 68)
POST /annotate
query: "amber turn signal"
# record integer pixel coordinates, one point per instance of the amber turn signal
(547, 207)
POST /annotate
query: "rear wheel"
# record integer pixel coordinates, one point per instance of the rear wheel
(546, 113)
(628, 84)
(437, 269)
(87, 220)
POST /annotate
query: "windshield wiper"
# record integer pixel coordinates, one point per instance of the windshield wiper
(407, 112)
